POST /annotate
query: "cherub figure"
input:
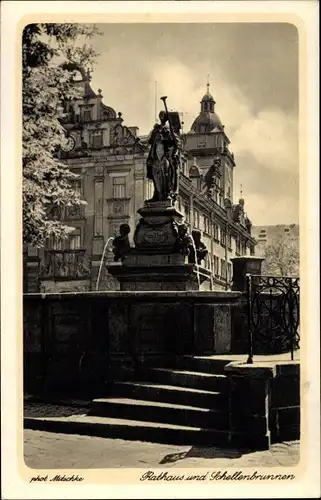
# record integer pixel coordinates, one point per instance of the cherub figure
(200, 247)
(184, 240)
(121, 245)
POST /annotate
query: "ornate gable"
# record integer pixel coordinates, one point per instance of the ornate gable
(121, 135)
(123, 141)
(107, 113)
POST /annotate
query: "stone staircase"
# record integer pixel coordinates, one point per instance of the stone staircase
(185, 402)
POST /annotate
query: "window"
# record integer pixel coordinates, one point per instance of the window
(54, 243)
(196, 218)
(238, 246)
(216, 265)
(98, 217)
(119, 187)
(76, 186)
(223, 269)
(216, 232)
(74, 240)
(187, 212)
(97, 140)
(75, 211)
(229, 271)
(223, 237)
(229, 240)
(215, 194)
(206, 225)
(149, 189)
(87, 115)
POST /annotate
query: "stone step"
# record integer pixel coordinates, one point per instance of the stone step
(169, 394)
(148, 411)
(203, 364)
(184, 378)
(115, 428)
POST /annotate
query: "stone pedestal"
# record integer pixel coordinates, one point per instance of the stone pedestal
(156, 231)
(156, 263)
(243, 266)
(264, 403)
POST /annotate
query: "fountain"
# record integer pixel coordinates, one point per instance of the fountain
(158, 328)
(102, 260)
(159, 310)
(157, 262)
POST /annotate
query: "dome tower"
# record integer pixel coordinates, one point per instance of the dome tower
(207, 121)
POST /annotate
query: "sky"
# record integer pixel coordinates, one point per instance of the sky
(253, 75)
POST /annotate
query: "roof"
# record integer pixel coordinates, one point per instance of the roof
(207, 98)
(206, 122)
(88, 91)
(269, 232)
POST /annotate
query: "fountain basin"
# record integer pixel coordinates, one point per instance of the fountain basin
(152, 276)
(87, 338)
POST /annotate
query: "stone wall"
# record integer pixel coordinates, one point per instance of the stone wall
(285, 403)
(54, 286)
(81, 338)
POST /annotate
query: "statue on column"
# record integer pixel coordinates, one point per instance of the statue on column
(164, 159)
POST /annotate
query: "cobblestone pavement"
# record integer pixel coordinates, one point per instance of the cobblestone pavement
(35, 409)
(53, 451)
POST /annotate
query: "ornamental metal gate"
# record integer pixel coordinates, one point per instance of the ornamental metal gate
(273, 315)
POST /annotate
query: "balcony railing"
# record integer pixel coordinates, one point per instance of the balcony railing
(65, 264)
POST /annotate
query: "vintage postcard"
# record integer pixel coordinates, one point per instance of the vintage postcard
(159, 249)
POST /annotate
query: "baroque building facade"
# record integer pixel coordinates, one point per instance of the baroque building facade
(110, 159)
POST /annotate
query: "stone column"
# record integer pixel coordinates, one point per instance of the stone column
(241, 267)
(249, 389)
(264, 403)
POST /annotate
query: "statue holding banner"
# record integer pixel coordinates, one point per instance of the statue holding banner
(164, 158)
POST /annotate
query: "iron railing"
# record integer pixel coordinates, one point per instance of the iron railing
(273, 315)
